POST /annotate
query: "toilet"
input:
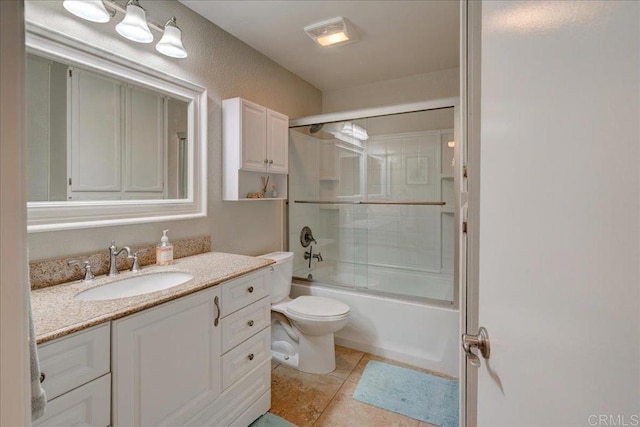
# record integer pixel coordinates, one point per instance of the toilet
(302, 328)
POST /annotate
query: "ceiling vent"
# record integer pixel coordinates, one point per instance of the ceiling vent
(331, 32)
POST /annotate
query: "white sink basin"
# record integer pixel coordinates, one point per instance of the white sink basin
(135, 286)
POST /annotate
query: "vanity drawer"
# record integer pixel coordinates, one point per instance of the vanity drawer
(89, 405)
(245, 357)
(241, 292)
(245, 322)
(69, 362)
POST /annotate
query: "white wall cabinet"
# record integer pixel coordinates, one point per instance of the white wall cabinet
(122, 130)
(277, 142)
(255, 143)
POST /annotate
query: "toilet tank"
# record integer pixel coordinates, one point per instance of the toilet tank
(280, 278)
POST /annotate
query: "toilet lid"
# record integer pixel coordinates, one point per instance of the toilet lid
(317, 307)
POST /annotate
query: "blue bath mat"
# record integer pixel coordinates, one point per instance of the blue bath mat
(270, 420)
(410, 393)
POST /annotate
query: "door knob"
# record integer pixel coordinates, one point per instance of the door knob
(481, 342)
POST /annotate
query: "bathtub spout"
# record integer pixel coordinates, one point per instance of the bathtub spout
(286, 325)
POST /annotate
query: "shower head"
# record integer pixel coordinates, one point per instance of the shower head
(315, 128)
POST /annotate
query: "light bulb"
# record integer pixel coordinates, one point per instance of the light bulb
(134, 25)
(91, 10)
(171, 42)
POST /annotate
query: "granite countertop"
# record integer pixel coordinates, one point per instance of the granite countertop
(56, 313)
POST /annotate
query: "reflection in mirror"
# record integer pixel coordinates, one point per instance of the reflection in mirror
(110, 140)
(95, 137)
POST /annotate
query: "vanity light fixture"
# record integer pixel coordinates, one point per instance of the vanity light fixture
(91, 10)
(330, 32)
(171, 42)
(134, 26)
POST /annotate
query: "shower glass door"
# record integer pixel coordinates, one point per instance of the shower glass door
(378, 195)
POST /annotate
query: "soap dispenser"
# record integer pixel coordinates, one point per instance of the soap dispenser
(164, 250)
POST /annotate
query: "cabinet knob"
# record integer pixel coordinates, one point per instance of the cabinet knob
(250, 289)
(250, 356)
(270, 162)
(42, 377)
(266, 161)
(250, 323)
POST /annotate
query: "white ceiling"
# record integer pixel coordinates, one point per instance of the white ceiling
(395, 38)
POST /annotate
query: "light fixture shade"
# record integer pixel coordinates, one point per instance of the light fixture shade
(134, 25)
(91, 10)
(171, 42)
(355, 131)
(330, 32)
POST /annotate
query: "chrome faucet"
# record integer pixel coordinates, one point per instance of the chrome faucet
(113, 253)
(311, 256)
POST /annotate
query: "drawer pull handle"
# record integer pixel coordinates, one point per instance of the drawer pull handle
(250, 356)
(250, 289)
(217, 319)
(250, 322)
(42, 377)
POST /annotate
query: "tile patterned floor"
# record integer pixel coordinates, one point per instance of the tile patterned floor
(326, 400)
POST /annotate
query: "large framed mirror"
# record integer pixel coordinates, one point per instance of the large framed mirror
(109, 141)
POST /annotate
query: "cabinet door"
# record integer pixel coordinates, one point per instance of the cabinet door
(86, 406)
(254, 136)
(145, 142)
(277, 142)
(96, 133)
(166, 362)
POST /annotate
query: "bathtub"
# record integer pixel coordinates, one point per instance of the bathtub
(408, 331)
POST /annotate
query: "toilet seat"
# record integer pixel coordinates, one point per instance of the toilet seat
(311, 307)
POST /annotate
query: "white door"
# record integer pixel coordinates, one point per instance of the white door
(96, 129)
(559, 214)
(145, 143)
(277, 142)
(254, 136)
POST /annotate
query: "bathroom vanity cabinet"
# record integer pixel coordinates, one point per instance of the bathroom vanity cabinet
(203, 359)
(255, 143)
(76, 378)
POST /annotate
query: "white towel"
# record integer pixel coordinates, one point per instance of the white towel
(38, 396)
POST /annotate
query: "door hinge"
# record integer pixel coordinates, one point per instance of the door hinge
(464, 171)
(69, 181)
(464, 226)
(70, 72)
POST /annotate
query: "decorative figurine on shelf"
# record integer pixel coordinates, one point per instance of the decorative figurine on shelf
(255, 195)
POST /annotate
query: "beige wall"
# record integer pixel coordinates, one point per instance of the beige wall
(421, 87)
(15, 404)
(227, 68)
